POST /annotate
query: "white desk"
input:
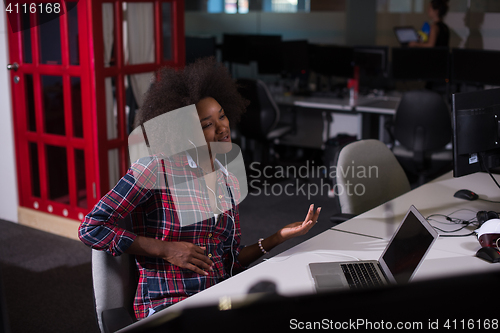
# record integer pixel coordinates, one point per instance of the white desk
(363, 237)
(364, 106)
(379, 105)
(385, 105)
(431, 198)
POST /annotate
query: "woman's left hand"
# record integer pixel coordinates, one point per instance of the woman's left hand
(300, 228)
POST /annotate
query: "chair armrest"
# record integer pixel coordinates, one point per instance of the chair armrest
(339, 218)
(115, 319)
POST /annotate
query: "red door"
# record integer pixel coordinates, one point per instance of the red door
(76, 80)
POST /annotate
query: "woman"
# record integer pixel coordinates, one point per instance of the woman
(177, 259)
(439, 34)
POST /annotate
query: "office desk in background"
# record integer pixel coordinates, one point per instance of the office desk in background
(364, 117)
(365, 237)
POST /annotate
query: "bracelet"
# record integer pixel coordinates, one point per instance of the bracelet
(260, 246)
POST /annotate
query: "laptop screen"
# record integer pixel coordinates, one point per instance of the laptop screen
(406, 34)
(408, 247)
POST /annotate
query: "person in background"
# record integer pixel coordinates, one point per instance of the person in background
(439, 34)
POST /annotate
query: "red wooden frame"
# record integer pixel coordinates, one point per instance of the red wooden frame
(24, 137)
(92, 74)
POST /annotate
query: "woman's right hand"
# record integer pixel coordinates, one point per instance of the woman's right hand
(182, 254)
(187, 255)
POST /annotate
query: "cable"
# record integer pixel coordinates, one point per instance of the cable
(466, 235)
(195, 148)
(481, 155)
(488, 200)
(452, 220)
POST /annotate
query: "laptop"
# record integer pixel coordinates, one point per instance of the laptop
(406, 35)
(398, 263)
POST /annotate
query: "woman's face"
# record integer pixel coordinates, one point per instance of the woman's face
(433, 13)
(215, 125)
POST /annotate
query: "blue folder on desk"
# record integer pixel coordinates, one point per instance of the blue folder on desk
(398, 263)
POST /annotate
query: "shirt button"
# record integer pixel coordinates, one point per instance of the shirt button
(220, 196)
(210, 255)
(210, 235)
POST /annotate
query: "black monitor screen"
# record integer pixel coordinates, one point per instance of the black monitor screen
(243, 48)
(332, 60)
(199, 47)
(476, 123)
(371, 60)
(266, 50)
(234, 49)
(428, 64)
(295, 56)
(373, 66)
(476, 66)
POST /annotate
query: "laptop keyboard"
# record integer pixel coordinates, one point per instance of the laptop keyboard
(361, 275)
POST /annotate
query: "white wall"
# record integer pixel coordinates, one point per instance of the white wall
(330, 27)
(8, 182)
(485, 33)
(326, 27)
(490, 31)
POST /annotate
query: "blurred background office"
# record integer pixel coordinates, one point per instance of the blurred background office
(343, 23)
(96, 63)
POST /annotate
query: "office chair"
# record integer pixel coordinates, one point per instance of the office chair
(115, 283)
(422, 126)
(367, 175)
(260, 123)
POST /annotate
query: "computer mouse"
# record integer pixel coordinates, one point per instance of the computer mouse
(466, 194)
(489, 254)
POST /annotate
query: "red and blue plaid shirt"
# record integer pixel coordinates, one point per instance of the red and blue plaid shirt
(155, 213)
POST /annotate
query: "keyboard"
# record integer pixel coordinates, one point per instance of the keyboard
(361, 275)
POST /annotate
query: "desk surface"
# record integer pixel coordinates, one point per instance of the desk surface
(435, 197)
(367, 104)
(365, 237)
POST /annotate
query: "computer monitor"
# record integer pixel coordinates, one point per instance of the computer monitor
(244, 48)
(234, 49)
(199, 47)
(476, 126)
(373, 65)
(332, 60)
(475, 66)
(295, 56)
(425, 64)
(266, 50)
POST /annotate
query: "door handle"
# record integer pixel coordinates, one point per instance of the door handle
(14, 66)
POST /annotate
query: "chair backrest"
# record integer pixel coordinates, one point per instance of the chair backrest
(367, 175)
(262, 113)
(115, 282)
(423, 121)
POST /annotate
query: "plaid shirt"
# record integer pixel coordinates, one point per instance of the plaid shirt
(154, 214)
